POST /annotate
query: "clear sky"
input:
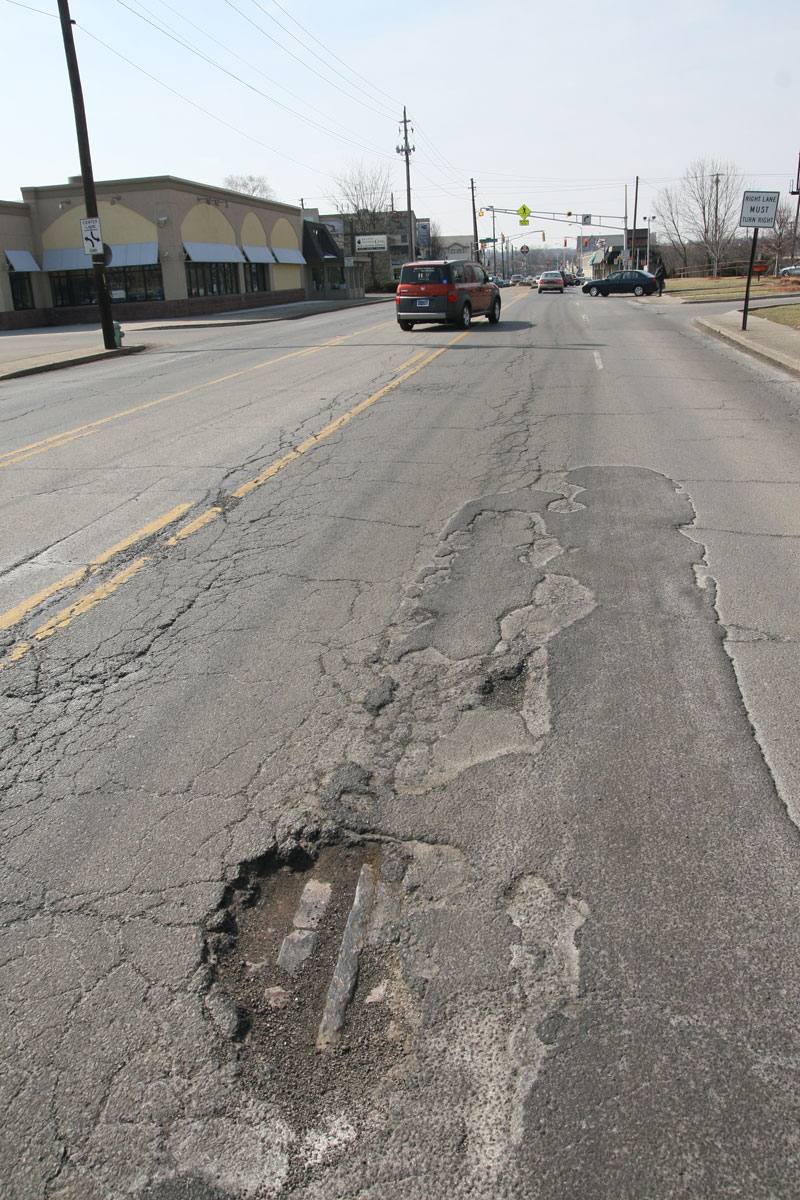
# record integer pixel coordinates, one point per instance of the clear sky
(557, 108)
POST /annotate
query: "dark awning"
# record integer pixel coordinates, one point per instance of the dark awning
(318, 244)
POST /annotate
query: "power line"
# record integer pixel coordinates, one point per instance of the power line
(205, 111)
(300, 42)
(186, 45)
(352, 70)
(291, 54)
(252, 66)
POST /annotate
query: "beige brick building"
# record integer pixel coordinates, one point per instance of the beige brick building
(177, 248)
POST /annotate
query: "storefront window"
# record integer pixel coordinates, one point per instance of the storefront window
(125, 284)
(256, 277)
(318, 279)
(212, 279)
(21, 291)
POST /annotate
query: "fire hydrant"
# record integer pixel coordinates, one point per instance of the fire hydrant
(118, 335)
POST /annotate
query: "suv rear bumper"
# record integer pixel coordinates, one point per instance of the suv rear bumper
(422, 314)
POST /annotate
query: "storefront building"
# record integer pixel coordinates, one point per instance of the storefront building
(176, 247)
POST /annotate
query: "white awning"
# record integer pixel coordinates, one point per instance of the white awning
(66, 260)
(134, 254)
(128, 254)
(289, 256)
(22, 260)
(210, 252)
(259, 254)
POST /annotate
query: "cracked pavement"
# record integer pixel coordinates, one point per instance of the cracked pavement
(523, 634)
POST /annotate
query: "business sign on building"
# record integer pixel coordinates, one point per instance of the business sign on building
(759, 210)
(371, 242)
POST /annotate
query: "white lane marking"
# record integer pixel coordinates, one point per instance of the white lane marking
(585, 318)
(598, 359)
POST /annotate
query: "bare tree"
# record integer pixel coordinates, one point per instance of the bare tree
(250, 185)
(364, 193)
(668, 211)
(702, 209)
(436, 245)
(712, 193)
(778, 240)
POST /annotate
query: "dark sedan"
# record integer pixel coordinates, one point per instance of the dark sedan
(641, 283)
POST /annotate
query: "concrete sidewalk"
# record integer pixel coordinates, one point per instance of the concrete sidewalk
(762, 338)
(31, 351)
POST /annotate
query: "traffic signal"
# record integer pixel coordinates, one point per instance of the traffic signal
(480, 212)
(502, 238)
(542, 235)
(586, 241)
(565, 241)
(569, 214)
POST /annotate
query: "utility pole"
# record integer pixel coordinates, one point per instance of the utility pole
(716, 225)
(494, 244)
(795, 191)
(475, 222)
(90, 197)
(635, 206)
(407, 151)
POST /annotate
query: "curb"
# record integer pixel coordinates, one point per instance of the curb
(775, 357)
(97, 356)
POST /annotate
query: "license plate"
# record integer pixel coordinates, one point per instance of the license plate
(423, 304)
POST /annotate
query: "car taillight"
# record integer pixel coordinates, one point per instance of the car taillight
(452, 297)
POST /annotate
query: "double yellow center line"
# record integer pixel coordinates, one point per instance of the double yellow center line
(68, 614)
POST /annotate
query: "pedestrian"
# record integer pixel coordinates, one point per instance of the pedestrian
(661, 274)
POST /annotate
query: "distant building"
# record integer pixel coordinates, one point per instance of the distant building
(596, 253)
(459, 245)
(383, 263)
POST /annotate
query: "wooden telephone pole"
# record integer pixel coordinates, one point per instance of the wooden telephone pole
(98, 260)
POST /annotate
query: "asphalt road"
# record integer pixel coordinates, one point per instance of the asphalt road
(400, 765)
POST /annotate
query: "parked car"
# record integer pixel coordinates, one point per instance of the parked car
(641, 283)
(439, 290)
(550, 281)
(794, 269)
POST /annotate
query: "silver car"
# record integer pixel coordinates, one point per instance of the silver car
(793, 270)
(551, 281)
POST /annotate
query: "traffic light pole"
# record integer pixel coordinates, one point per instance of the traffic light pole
(90, 197)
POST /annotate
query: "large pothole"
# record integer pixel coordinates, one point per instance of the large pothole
(303, 978)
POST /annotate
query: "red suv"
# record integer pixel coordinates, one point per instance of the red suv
(445, 290)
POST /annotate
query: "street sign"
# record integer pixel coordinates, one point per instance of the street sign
(586, 219)
(524, 212)
(92, 237)
(524, 221)
(488, 239)
(759, 210)
(524, 249)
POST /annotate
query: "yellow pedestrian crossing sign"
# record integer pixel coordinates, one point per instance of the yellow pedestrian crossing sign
(524, 212)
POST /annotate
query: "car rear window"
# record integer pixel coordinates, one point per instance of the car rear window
(423, 275)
